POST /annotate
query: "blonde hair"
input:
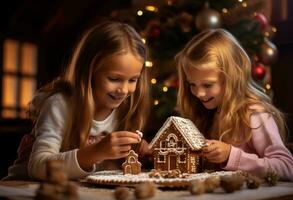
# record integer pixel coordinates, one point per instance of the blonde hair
(106, 39)
(240, 91)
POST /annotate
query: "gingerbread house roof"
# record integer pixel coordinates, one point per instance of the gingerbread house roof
(188, 130)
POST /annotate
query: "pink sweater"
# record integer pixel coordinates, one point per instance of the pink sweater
(264, 151)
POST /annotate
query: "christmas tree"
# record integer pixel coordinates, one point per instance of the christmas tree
(167, 25)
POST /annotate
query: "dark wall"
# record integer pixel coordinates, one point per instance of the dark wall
(11, 132)
(282, 72)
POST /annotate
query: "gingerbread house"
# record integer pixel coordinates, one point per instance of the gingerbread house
(177, 145)
(131, 164)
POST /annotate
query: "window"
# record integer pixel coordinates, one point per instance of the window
(161, 158)
(19, 71)
(163, 144)
(182, 158)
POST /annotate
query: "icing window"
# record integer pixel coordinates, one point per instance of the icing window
(131, 159)
(180, 144)
(163, 144)
(161, 159)
(172, 143)
(182, 158)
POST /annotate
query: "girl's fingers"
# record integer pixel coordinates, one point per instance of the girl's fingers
(127, 134)
(126, 141)
(124, 148)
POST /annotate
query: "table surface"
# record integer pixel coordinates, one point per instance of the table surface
(16, 190)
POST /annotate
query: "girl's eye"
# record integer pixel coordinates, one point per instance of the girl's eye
(133, 80)
(113, 79)
(207, 85)
(192, 85)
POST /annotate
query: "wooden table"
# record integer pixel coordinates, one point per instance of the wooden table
(16, 190)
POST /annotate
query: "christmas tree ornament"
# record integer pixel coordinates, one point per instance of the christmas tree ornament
(208, 18)
(258, 72)
(153, 29)
(185, 21)
(270, 32)
(262, 20)
(268, 53)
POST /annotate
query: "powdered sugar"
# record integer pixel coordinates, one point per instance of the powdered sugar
(116, 177)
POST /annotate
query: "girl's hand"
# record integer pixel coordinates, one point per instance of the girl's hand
(216, 151)
(142, 149)
(116, 145)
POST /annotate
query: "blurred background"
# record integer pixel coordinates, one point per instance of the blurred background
(36, 39)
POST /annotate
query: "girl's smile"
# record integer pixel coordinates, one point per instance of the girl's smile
(115, 81)
(117, 97)
(206, 85)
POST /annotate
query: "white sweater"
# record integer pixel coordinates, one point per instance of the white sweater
(49, 130)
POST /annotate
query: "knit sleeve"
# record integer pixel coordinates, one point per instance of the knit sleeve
(49, 130)
(266, 150)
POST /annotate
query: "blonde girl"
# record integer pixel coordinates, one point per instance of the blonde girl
(217, 92)
(88, 116)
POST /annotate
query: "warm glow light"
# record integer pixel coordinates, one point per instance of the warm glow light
(244, 4)
(148, 63)
(240, 0)
(270, 51)
(225, 10)
(165, 89)
(27, 88)
(10, 55)
(274, 29)
(268, 86)
(156, 102)
(214, 19)
(170, 3)
(153, 81)
(143, 40)
(139, 13)
(9, 91)
(151, 8)
(28, 59)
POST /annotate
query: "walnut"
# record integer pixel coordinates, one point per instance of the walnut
(252, 182)
(211, 184)
(271, 178)
(155, 174)
(232, 183)
(145, 190)
(196, 187)
(57, 185)
(56, 172)
(122, 193)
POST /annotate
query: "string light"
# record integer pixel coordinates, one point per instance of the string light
(151, 8)
(244, 4)
(153, 81)
(156, 102)
(143, 40)
(268, 86)
(139, 13)
(165, 89)
(148, 63)
(225, 10)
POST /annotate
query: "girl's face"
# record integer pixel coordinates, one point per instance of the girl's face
(206, 85)
(115, 81)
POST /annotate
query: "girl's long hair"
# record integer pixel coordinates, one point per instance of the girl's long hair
(242, 96)
(106, 39)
